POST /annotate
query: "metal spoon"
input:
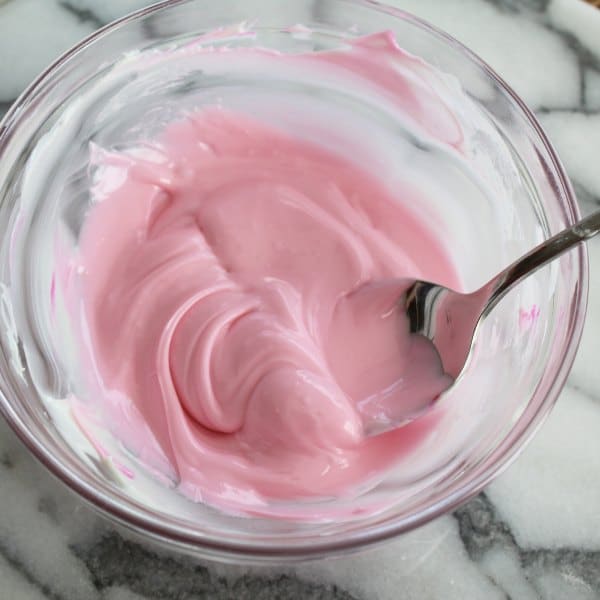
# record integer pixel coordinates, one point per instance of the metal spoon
(450, 319)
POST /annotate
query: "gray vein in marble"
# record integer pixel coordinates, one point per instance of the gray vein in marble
(536, 10)
(581, 109)
(583, 390)
(585, 197)
(4, 106)
(82, 15)
(25, 573)
(586, 58)
(516, 6)
(6, 460)
(115, 561)
(481, 529)
(47, 506)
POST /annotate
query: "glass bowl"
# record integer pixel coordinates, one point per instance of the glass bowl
(527, 345)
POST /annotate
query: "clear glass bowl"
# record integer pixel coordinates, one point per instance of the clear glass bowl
(528, 344)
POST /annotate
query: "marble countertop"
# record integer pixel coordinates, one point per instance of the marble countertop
(533, 534)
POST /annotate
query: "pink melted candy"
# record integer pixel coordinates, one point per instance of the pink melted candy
(239, 290)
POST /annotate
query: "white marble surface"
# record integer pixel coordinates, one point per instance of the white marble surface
(534, 533)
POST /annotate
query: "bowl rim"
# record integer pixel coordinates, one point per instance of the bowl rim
(142, 522)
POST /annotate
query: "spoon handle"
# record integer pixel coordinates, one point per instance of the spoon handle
(540, 256)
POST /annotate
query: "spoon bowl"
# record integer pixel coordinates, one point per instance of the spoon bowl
(449, 320)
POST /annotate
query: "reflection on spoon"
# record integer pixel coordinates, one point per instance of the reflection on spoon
(442, 327)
